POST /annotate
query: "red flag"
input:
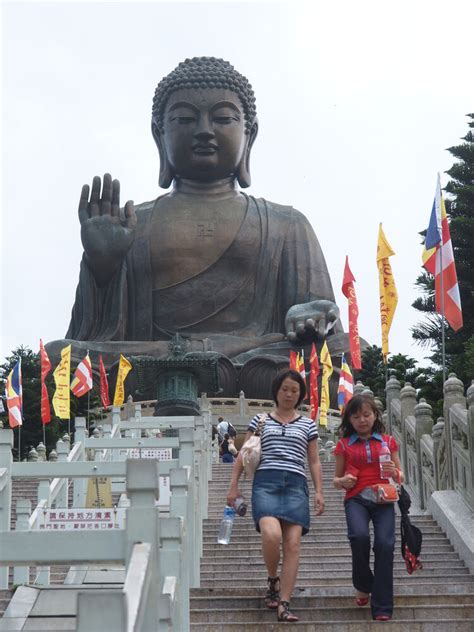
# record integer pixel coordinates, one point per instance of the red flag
(104, 385)
(349, 292)
(313, 382)
(293, 360)
(45, 369)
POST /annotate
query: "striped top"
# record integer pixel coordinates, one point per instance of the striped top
(284, 446)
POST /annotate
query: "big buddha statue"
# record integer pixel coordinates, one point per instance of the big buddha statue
(232, 274)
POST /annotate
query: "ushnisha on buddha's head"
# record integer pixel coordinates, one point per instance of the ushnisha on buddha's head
(204, 122)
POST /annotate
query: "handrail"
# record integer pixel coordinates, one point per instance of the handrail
(136, 584)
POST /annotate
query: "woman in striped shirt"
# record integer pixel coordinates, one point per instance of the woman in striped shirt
(280, 495)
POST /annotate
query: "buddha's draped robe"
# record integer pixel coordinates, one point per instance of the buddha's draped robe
(274, 262)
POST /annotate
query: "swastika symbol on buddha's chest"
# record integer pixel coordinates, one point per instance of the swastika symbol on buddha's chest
(205, 229)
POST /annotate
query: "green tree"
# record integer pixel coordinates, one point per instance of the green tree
(405, 369)
(460, 211)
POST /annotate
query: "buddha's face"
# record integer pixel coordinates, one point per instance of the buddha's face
(203, 135)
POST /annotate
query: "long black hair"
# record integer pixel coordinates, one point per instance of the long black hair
(293, 375)
(346, 429)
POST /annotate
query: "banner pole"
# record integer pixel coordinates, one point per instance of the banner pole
(441, 289)
(44, 435)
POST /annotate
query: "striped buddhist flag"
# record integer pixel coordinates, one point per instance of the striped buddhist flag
(346, 385)
(14, 394)
(438, 256)
(300, 364)
(82, 381)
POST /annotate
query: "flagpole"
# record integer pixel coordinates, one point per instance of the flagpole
(88, 408)
(441, 288)
(19, 444)
(44, 435)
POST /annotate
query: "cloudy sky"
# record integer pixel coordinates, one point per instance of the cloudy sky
(357, 103)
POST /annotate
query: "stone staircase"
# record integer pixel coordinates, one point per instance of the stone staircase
(439, 597)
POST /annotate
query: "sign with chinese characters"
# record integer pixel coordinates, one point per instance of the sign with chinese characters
(79, 519)
(160, 454)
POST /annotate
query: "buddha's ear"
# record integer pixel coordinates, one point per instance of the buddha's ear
(166, 175)
(243, 170)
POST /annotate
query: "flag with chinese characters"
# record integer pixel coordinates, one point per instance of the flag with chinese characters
(438, 256)
(104, 385)
(346, 385)
(45, 369)
(82, 381)
(387, 290)
(313, 382)
(326, 363)
(61, 397)
(123, 370)
(14, 395)
(349, 292)
(293, 360)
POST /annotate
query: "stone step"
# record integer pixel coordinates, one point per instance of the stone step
(400, 625)
(250, 600)
(209, 580)
(212, 551)
(341, 613)
(308, 563)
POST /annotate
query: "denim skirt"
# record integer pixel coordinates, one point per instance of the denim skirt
(282, 495)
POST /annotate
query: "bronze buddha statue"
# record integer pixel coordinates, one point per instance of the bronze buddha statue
(232, 274)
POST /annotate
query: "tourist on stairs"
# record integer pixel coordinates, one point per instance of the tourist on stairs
(280, 496)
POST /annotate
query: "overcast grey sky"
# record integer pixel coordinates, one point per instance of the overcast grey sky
(357, 103)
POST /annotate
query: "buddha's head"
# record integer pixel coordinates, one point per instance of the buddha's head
(204, 122)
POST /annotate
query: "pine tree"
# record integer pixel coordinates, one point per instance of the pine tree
(460, 211)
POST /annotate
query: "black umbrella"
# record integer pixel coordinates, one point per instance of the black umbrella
(411, 535)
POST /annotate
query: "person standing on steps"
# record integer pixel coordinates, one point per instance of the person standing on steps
(226, 454)
(358, 467)
(280, 495)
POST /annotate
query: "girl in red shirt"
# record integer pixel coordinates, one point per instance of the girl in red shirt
(357, 469)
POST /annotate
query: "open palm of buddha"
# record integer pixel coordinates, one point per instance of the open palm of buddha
(232, 274)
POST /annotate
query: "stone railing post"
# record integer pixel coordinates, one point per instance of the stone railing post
(423, 425)
(437, 433)
(407, 409)
(143, 526)
(453, 394)
(172, 565)
(32, 456)
(21, 574)
(130, 407)
(6, 445)
(186, 457)
(41, 450)
(392, 391)
(470, 436)
(62, 449)
(242, 404)
(359, 388)
(80, 484)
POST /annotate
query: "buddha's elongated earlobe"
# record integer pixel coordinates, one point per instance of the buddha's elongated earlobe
(243, 169)
(166, 175)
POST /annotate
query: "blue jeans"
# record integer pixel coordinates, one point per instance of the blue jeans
(227, 458)
(379, 583)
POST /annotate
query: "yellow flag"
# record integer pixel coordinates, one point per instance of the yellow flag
(123, 371)
(62, 375)
(387, 289)
(325, 360)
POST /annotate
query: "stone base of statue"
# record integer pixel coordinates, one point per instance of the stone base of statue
(251, 371)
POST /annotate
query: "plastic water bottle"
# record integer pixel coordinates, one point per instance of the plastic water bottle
(384, 456)
(226, 526)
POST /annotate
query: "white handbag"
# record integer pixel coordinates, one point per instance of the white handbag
(251, 451)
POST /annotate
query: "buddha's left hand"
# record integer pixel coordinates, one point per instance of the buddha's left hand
(317, 316)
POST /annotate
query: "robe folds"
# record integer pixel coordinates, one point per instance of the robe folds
(274, 262)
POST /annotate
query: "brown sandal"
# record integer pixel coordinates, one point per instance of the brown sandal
(286, 615)
(272, 598)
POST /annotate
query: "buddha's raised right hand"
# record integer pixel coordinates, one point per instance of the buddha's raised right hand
(106, 235)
